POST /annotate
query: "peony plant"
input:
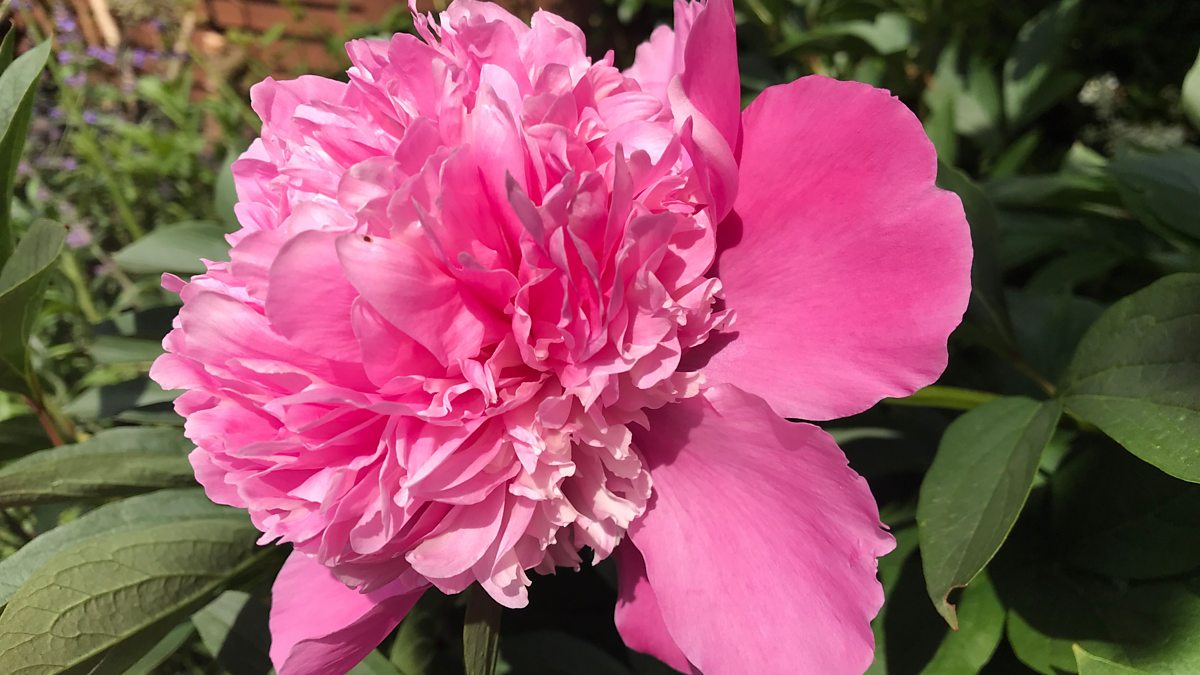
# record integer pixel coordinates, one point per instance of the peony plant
(493, 303)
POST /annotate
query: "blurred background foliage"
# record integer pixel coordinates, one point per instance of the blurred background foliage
(1051, 472)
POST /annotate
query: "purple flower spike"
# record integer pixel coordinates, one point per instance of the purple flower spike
(105, 56)
(90, 117)
(78, 236)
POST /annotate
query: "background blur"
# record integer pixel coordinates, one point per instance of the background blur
(1066, 126)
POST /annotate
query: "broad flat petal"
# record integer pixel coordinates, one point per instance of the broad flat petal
(319, 625)
(760, 543)
(638, 618)
(846, 267)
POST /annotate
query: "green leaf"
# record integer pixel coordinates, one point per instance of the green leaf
(889, 33)
(1040, 652)
(890, 567)
(1191, 94)
(113, 463)
(1065, 273)
(976, 488)
(234, 630)
(1149, 626)
(1136, 375)
(8, 49)
(375, 663)
(481, 633)
(552, 652)
(1048, 328)
(111, 591)
(1120, 517)
(1090, 664)
(1010, 161)
(154, 657)
(112, 400)
(415, 649)
(1162, 189)
(1032, 81)
(225, 193)
(987, 306)
(142, 511)
(109, 349)
(175, 248)
(939, 121)
(22, 283)
(18, 85)
(980, 629)
(20, 436)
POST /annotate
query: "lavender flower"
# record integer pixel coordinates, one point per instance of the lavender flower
(75, 80)
(65, 57)
(69, 164)
(105, 56)
(65, 23)
(56, 113)
(138, 57)
(78, 236)
(90, 117)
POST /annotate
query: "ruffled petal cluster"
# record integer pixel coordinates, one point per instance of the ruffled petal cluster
(460, 276)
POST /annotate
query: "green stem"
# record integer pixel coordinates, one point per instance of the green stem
(83, 297)
(59, 428)
(1029, 371)
(948, 398)
(481, 633)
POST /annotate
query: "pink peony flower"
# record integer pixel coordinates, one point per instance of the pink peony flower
(493, 302)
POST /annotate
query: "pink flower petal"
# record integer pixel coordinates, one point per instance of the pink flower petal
(410, 292)
(710, 72)
(694, 70)
(639, 619)
(846, 267)
(319, 625)
(309, 300)
(760, 542)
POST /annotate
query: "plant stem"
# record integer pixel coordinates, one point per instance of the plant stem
(1029, 371)
(45, 421)
(481, 632)
(83, 296)
(947, 398)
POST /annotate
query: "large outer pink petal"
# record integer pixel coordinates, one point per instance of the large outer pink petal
(320, 626)
(846, 267)
(638, 617)
(760, 543)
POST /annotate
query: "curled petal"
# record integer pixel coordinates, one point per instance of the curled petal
(760, 543)
(694, 71)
